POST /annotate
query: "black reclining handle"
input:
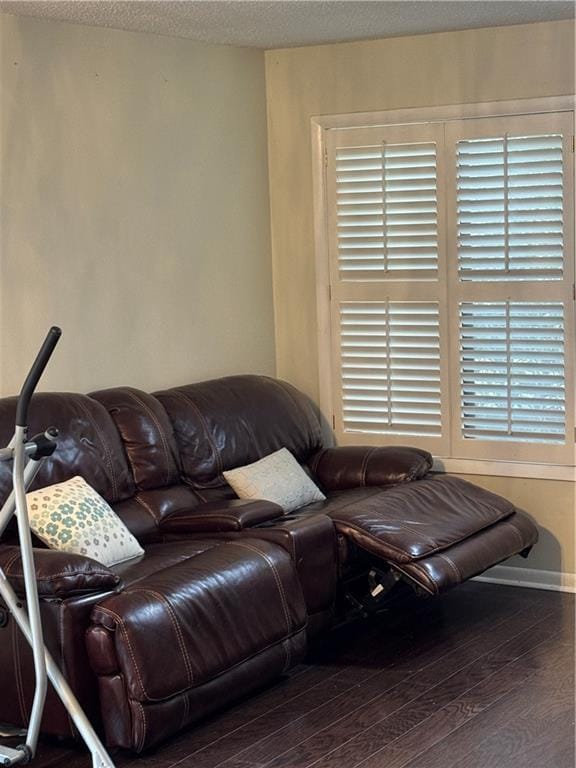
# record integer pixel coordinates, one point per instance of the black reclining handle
(34, 375)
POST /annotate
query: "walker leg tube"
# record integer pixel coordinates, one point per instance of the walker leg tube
(36, 637)
(100, 757)
(9, 505)
(29, 619)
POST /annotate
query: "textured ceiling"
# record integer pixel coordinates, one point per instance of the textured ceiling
(284, 23)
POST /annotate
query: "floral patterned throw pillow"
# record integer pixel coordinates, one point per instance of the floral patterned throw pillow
(72, 517)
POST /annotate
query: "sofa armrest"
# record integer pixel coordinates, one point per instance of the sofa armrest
(217, 516)
(337, 469)
(58, 574)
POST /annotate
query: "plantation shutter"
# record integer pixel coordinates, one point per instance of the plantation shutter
(451, 252)
(387, 266)
(511, 287)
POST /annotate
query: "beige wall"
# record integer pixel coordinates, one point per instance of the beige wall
(134, 204)
(450, 68)
(552, 505)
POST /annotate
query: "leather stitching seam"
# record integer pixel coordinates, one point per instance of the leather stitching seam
(142, 740)
(517, 534)
(293, 547)
(276, 577)
(124, 631)
(364, 469)
(147, 507)
(452, 565)
(424, 574)
(186, 713)
(188, 400)
(286, 389)
(10, 563)
(270, 646)
(288, 652)
(176, 624)
(156, 421)
(316, 461)
(105, 448)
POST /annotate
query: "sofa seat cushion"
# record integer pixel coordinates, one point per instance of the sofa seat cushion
(179, 627)
(159, 557)
(414, 521)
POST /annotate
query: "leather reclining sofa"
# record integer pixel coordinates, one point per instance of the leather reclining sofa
(153, 644)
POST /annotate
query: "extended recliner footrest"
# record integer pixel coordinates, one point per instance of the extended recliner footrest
(436, 532)
(470, 557)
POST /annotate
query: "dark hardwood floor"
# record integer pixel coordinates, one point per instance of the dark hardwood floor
(480, 678)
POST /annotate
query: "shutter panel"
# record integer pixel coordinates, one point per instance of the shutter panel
(390, 367)
(387, 217)
(510, 288)
(512, 371)
(510, 208)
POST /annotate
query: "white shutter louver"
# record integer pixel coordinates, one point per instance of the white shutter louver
(510, 208)
(512, 363)
(390, 367)
(387, 217)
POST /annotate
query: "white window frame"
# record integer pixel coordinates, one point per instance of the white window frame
(321, 125)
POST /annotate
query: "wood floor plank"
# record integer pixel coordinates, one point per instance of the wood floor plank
(439, 661)
(540, 728)
(541, 721)
(394, 740)
(546, 670)
(435, 726)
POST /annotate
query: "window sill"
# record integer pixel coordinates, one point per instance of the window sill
(505, 469)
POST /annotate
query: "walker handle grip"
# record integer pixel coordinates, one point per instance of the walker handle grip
(34, 375)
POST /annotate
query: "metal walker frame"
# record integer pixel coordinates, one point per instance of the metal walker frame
(27, 457)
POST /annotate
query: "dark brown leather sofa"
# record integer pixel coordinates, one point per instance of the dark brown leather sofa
(154, 644)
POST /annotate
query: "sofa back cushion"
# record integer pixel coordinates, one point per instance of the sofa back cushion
(88, 445)
(147, 434)
(236, 420)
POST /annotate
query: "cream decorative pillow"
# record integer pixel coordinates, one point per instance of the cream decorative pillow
(72, 517)
(278, 478)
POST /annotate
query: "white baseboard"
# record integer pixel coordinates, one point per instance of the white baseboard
(529, 577)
